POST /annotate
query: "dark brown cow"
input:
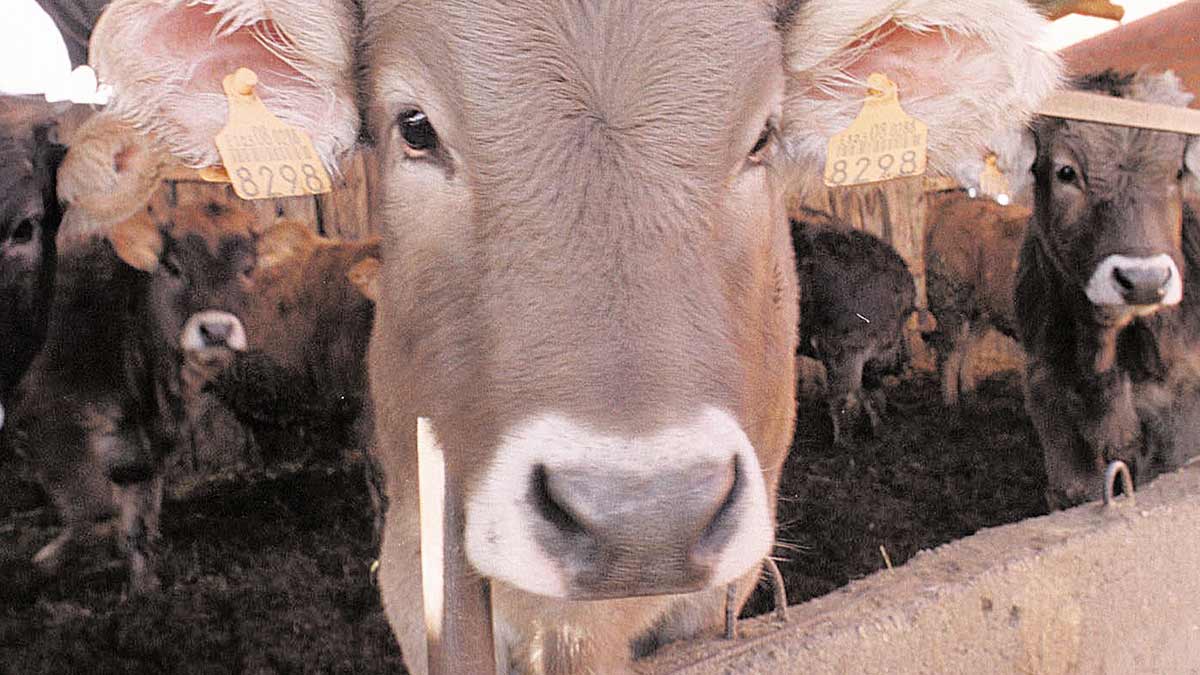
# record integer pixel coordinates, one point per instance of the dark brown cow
(1108, 295)
(856, 296)
(971, 250)
(300, 387)
(29, 218)
(588, 283)
(101, 405)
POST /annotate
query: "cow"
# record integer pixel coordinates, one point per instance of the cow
(971, 250)
(101, 405)
(30, 214)
(1107, 295)
(301, 382)
(587, 283)
(856, 297)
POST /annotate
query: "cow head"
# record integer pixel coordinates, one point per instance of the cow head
(587, 278)
(200, 262)
(1109, 200)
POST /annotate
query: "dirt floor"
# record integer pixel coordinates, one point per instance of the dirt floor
(268, 571)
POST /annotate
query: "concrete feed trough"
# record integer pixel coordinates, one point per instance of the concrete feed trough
(1091, 590)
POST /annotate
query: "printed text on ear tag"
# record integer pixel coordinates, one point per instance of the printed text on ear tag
(264, 157)
(882, 143)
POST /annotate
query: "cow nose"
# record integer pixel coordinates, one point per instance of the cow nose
(1143, 284)
(213, 329)
(630, 535)
(216, 333)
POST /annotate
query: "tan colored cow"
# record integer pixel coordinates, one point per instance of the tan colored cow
(587, 281)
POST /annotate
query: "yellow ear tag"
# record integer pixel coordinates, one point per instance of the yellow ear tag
(264, 157)
(882, 143)
(992, 181)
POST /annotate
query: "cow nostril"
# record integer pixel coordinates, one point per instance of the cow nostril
(550, 507)
(723, 513)
(215, 333)
(1122, 279)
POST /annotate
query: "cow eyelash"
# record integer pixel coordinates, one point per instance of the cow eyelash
(758, 152)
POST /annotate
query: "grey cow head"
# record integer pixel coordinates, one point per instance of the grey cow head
(1109, 205)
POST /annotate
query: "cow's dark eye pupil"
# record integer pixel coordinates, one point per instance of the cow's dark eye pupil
(23, 233)
(1066, 174)
(418, 133)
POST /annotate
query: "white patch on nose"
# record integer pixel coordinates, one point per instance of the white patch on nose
(500, 518)
(1103, 288)
(192, 337)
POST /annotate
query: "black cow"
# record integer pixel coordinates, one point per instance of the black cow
(29, 218)
(103, 403)
(1107, 295)
(856, 295)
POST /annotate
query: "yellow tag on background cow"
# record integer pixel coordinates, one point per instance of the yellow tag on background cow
(882, 143)
(264, 157)
(992, 181)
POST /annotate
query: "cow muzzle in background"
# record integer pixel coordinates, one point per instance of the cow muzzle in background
(212, 330)
(565, 511)
(1140, 283)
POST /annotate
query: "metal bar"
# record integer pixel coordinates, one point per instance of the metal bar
(458, 609)
(1088, 107)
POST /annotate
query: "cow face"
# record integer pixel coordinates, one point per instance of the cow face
(200, 263)
(1109, 201)
(587, 281)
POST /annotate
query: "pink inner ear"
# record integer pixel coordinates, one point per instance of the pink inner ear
(919, 63)
(187, 33)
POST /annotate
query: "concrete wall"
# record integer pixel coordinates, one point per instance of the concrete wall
(1090, 590)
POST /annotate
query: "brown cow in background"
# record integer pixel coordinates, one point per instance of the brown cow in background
(1108, 294)
(971, 250)
(102, 404)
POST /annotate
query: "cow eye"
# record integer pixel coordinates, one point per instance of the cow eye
(171, 266)
(419, 135)
(760, 146)
(1179, 174)
(23, 233)
(1066, 173)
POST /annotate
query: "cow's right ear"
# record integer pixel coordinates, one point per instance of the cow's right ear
(365, 277)
(138, 242)
(282, 242)
(166, 60)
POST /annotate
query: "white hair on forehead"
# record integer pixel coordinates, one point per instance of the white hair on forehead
(1164, 87)
(989, 76)
(158, 92)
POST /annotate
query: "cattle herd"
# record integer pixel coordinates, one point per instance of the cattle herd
(585, 278)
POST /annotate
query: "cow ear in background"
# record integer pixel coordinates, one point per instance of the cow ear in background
(110, 173)
(166, 60)
(365, 277)
(138, 242)
(967, 68)
(282, 242)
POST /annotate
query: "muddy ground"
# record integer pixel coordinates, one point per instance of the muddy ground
(267, 571)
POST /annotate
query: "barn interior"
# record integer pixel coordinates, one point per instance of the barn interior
(268, 535)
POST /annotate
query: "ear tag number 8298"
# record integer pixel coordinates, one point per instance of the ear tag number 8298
(882, 143)
(264, 157)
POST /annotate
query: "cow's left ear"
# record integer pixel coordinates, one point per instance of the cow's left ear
(966, 68)
(282, 242)
(365, 277)
(138, 242)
